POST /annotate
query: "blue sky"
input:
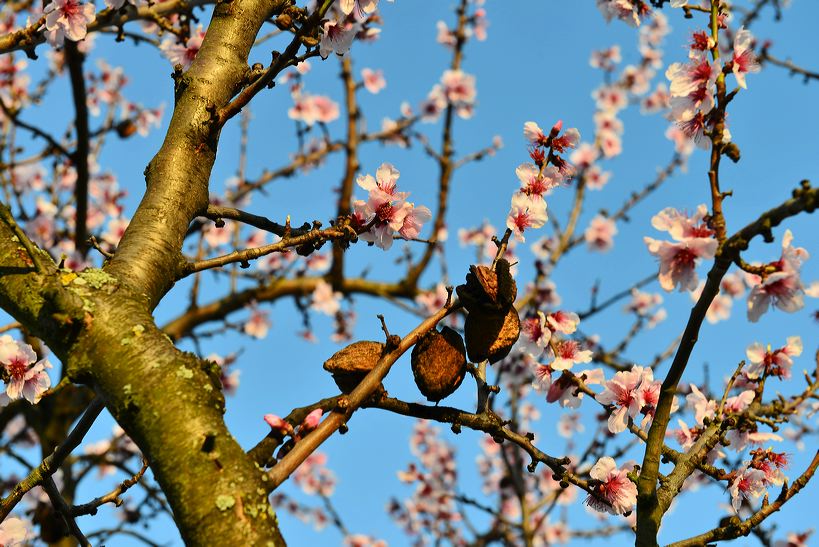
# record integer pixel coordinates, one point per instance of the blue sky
(534, 66)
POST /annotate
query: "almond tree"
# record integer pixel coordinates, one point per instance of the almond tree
(81, 280)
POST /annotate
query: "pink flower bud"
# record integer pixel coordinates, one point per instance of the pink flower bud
(311, 421)
(556, 128)
(278, 424)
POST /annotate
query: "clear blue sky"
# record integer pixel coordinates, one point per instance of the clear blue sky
(534, 66)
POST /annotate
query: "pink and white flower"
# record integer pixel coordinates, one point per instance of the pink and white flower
(783, 288)
(68, 19)
(337, 37)
(183, 54)
(778, 362)
(600, 234)
(373, 80)
(614, 493)
(622, 391)
(325, 300)
(565, 353)
(744, 59)
(27, 377)
(749, 483)
(534, 335)
(526, 213)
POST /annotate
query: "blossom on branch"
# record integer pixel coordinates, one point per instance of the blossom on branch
(67, 19)
(614, 492)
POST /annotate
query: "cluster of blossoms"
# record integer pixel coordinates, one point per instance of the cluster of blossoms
(24, 376)
(386, 210)
(14, 82)
(475, 26)
(631, 12)
(456, 90)
(693, 240)
(537, 179)
(693, 84)
(752, 480)
(645, 306)
(480, 237)
(348, 20)
(631, 393)
(431, 508)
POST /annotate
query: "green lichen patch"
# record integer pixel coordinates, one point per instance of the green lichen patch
(184, 372)
(94, 278)
(225, 502)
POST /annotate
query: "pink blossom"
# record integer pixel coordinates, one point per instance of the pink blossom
(258, 324)
(414, 220)
(362, 7)
(748, 483)
(386, 180)
(643, 302)
(679, 260)
(26, 376)
(325, 300)
(692, 87)
(117, 4)
(526, 213)
(605, 59)
(795, 540)
(313, 477)
(563, 322)
(278, 424)
(432, 301)
(596, 178)
(778, 362)
(566, 353)
(744, 59)
(535, 183)
(336, 37)
(433, 105)
(459, 89)
(702, 405)
(313, 108)
(116, 229)
(658, 100)
(363, 540)
(183, 54)
(783, 288)
(622, 392)
(534, 134)
(614, 493)
(599, 235)
(373, 80)
(584, 156)
(740, 402)
(564, 391)
(570, 424)
(534, 335)
(569, 139)
(68, 19)
(13, 531)
(610, 99)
